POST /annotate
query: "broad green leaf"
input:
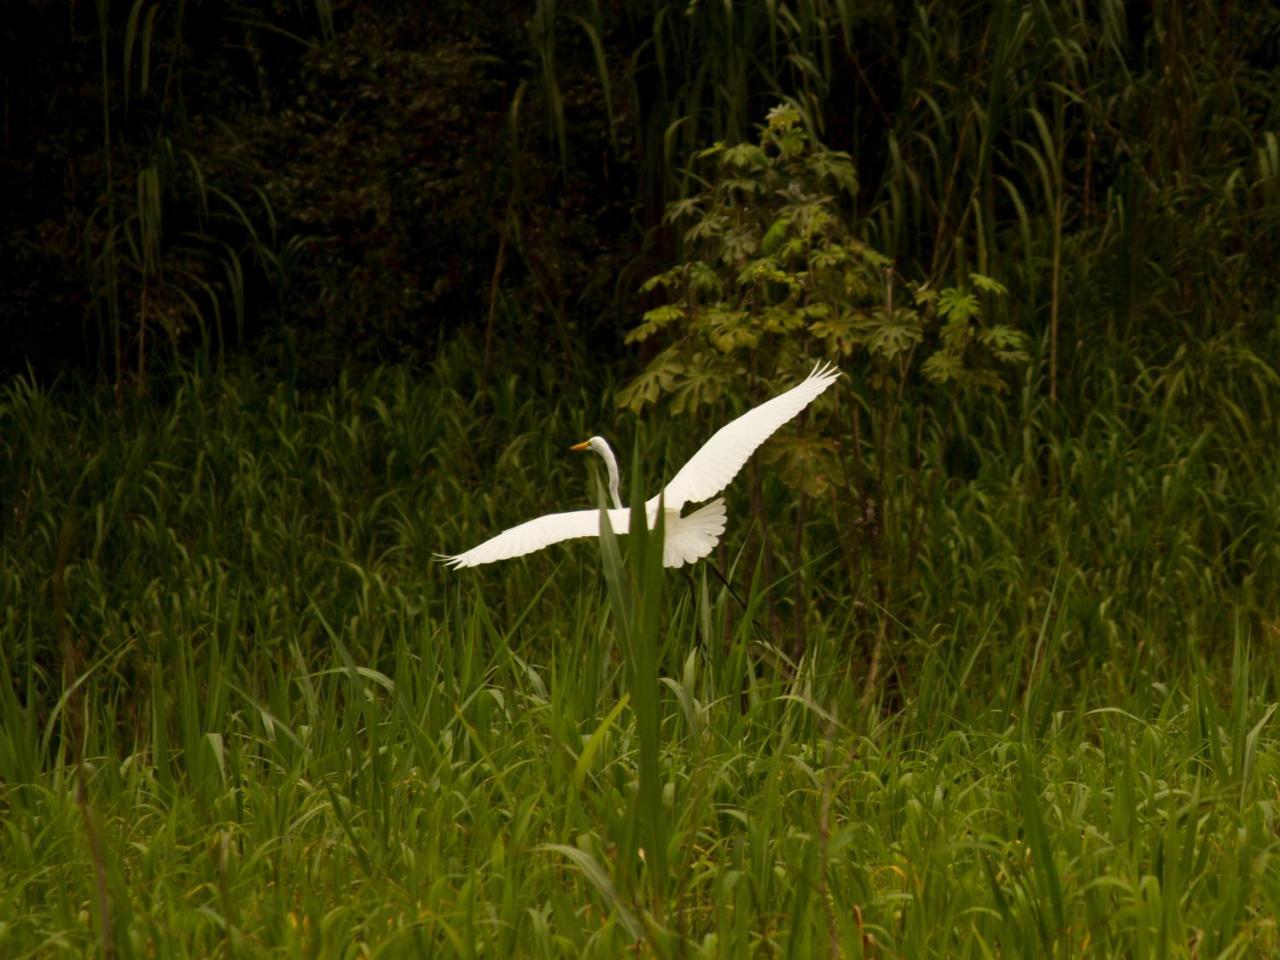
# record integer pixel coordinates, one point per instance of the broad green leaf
(956, 303)
(744, 156)
(891, 338)
(657, 318)
(701, 278)
(657, 379)
(983, 282)
(942, 366)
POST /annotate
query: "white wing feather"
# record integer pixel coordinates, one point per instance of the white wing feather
(538, 533)
(707, 473)
(718, 462)
(689, 539)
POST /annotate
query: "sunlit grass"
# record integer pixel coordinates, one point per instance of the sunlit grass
(242, 713)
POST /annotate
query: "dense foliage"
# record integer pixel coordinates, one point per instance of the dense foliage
(361, 178)
(241, 710)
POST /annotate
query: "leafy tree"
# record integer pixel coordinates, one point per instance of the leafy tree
(774, 274)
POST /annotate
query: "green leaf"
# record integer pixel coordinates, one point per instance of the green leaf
(599, 878)
(840, 333)
(806, 463)
(784, 116)
(794, 249)
(666, 280)
(829, 256)
(702, 278)
(792, 144)
(739, 244)
(956, 333)
(654, 321)
(893, 337)
(730, 329)
(783, 319)
(775, 235)
(657, 379)
(956, 303)
(680, 209)
(983, 282)
(1001, 336)
(701, 384)
(942, 366)
(708, 228)
(872, 256)
(762, 271)
(836, 166)
(742, 185)
(744, 156)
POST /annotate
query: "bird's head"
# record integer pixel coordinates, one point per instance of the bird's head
(596, 444)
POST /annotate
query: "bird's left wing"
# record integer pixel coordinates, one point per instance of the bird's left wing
(538, 533)
(711, 468)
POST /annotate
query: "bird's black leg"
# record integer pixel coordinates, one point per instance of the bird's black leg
(761, 630)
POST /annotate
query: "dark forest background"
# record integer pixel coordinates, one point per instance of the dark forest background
(318, 182)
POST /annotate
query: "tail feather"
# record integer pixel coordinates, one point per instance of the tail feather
(693, 537)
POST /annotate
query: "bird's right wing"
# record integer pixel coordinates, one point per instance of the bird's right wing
(538, 533)
(718, 462)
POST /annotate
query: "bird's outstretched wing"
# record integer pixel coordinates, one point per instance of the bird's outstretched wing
(538, 533)
(711, 468)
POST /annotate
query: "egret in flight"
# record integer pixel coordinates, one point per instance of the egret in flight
(688, 538)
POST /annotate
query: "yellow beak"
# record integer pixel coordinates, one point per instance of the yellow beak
(581, 446)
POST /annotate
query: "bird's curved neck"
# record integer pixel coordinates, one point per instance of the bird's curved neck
(611, 465)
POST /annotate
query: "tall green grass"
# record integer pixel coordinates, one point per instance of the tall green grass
(241, 712)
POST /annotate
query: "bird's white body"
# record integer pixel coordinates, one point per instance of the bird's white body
(710, 470)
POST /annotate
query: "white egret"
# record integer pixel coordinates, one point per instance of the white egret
(688, 538)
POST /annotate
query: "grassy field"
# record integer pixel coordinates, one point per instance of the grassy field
(243, 714)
